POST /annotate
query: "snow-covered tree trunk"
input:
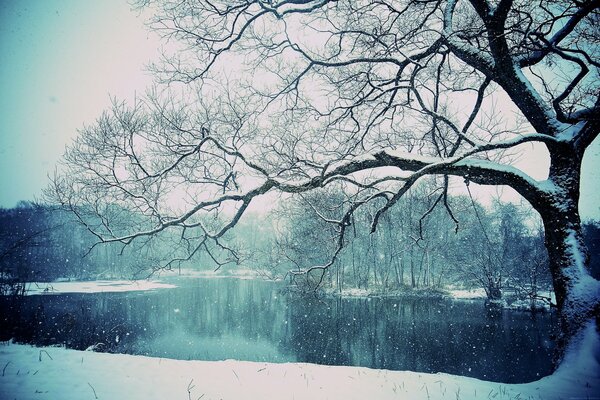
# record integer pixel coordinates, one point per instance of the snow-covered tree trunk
(577, 293)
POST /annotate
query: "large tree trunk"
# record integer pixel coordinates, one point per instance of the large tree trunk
(577, 293)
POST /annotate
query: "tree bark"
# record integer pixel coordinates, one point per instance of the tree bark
(577, 293)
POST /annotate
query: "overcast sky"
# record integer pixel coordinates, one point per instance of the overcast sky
(59, 62)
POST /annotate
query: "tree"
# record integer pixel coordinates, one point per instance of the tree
(294, 95)
(26, 243)
(40, 244)
(480, 260)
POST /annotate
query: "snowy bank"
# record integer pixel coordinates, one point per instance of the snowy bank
(34, 288)
(509, 301)
(428, 293)
(467, 294)
(57, 373)
(348, 292)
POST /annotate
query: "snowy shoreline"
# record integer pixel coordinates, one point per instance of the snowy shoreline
(54, 372)
(101, 286)
(118, 285)
(452, 294)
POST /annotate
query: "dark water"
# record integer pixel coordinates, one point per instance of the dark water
(216, 319)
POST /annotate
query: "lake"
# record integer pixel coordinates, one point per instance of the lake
(253, 320)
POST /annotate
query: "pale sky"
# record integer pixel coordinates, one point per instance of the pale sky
(59, 62)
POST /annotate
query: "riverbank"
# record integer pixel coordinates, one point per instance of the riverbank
(62, 286)
(52, 373)
(100, 286)
(510, 301)
(429, 293)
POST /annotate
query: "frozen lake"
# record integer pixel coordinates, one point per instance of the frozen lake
(216, 319)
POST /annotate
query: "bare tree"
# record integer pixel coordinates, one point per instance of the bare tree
(294, 95)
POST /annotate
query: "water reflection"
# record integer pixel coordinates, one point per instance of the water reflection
(425, 336)
(250, 320)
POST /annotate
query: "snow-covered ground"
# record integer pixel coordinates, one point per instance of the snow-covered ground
(34, 288)
(467, 294)
(350, 292)
(64, 286)
(507, 302)
(57, 373)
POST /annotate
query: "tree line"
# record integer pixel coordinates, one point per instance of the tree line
(417, 246)
(41, 243)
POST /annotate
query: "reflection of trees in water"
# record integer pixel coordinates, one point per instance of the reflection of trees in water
(227, 318)
(214, 308)
(420, 335)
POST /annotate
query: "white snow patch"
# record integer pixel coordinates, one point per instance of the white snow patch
(580, 367)
(548, 186)
(569, 132)
(586, 289)
(35, 288)
(346, 162)
(525, 304)
(534, 93)
(573, 244)
(509, 302)
(412, 157)
(354, 292)
(57, 373)
(469, 294)
(508, 169)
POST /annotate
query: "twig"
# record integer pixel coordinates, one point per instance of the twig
(4, 369)
(93, 390)
(44, 351)
(189, 389)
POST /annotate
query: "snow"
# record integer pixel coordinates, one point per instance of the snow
(569, 132)
(509, 301)
(525, 305)
(351, 292)
(412, 157)
(451, 38)
(548, 186)
(456, 294)
(588, 343)
(471, 294)
(36, 288)
(573, 244)
(585, 289)
(343, 163)
(541, 104)
(508, 169)
(57, 373)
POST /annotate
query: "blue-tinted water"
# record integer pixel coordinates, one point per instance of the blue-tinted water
(216, 319)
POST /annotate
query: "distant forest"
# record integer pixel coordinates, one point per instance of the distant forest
(417, 245)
